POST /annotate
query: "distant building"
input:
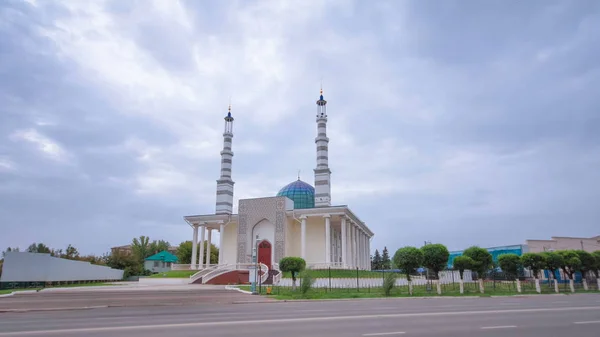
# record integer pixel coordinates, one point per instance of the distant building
(495, 251)
(563, 243)
(160, 262)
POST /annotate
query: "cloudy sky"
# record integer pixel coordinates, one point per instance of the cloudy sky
(460, 122)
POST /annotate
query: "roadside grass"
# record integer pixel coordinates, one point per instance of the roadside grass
(470, 289)
(95, 284)
(174, 274)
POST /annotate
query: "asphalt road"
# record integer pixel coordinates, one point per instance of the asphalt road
(447, 317)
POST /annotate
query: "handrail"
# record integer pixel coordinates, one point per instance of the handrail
(277, 277)
(222, 269)
(231, 267)
(202, 273)
(265, 274)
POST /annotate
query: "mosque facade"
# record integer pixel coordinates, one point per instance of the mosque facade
(299, 220)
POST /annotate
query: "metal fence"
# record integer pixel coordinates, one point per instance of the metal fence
(332, 280)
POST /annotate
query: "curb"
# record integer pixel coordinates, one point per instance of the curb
(20, 292)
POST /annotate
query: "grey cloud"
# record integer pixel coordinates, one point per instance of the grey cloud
(509, 84)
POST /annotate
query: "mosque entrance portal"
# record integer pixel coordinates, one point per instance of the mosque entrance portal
(264, 253)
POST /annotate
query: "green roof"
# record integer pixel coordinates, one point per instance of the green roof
(162, 256)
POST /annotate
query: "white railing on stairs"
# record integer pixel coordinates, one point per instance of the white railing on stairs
(203, 273)
(276, 277)
(265, 275)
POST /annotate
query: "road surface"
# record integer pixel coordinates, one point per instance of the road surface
(538, 316)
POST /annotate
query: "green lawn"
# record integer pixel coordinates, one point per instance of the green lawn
(175, 274)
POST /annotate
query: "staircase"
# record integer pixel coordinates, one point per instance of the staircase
(272, 275)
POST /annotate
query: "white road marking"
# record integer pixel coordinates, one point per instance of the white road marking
(498, 327)
(588, 322)
(81, 331)
(385, 333)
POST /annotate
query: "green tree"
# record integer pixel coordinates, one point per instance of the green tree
(462, 263)
(71, 253)
(128, 263)
(293, 265)
(386, 263)
(376, 262)
(159, 246)
(141, 248)
(535, 262)
(510, 265)
(482, 260)
(570, 262)
(184, 252)
(435, 257)
(587, 262)
(38, 248)
(408, 259)
(553, 262)
(9, 249)
(596, 269)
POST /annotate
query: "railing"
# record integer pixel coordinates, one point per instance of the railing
(265, 275)
(332, 265)
(203, 272)
(197, 266)
(277, 277)
(222, 269)
(175, 266)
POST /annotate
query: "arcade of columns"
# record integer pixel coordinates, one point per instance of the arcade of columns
(349, 246)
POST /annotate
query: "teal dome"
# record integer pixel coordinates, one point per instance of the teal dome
(300, 192)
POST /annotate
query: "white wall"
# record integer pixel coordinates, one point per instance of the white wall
(34, 267)
(230, 244)
(315, 240)
(292, 238)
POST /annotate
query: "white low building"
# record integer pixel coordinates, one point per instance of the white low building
(299, 221)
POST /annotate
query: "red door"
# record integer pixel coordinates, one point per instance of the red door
(264, 253)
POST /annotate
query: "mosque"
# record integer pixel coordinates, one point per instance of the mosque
(299, 221)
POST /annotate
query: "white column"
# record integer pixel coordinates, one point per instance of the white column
(355, 245)
(327, 239)
(202, 232)
(208, 242)
(353, 239)
(303, 237)
(221, 239)
(369, 248)
(344, 244)
(351, 250)
(361, 250)
(194, 247)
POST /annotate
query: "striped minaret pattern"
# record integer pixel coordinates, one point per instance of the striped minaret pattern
(225, 184)
(322, 172)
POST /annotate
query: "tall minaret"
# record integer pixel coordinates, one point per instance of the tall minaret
(322, 172)
(225, 184)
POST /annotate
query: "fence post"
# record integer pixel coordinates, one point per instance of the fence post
(357, 285)
(330, 278)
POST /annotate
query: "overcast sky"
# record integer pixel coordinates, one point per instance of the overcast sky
(459, 122)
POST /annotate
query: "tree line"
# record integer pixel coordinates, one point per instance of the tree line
(131, 263)
(435, 258)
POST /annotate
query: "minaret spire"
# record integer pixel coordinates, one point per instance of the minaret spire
(224, 203)
(322, 172)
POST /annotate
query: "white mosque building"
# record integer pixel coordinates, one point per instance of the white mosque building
(299, 221)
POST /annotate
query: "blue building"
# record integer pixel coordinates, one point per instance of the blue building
(495, 251)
